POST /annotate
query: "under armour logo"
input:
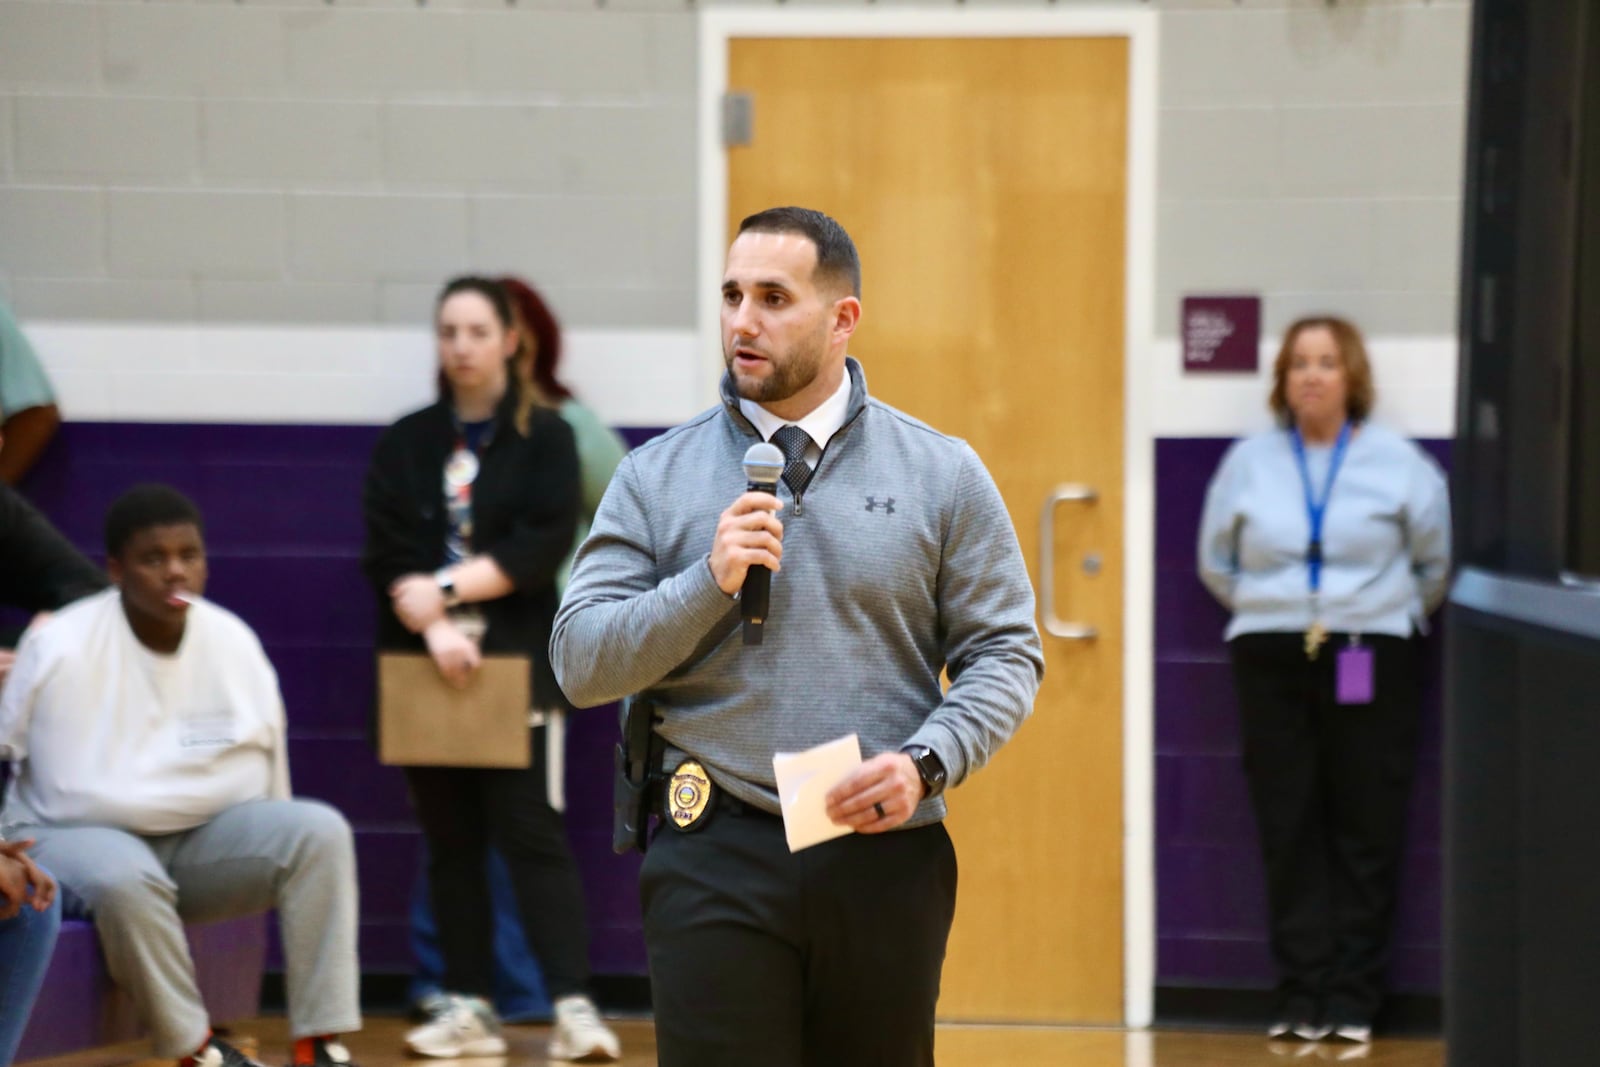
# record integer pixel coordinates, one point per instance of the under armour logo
(887, 505)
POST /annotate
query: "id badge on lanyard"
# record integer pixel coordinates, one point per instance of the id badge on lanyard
(1316, 510)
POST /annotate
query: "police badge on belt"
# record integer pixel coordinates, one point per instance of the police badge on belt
(689, 795)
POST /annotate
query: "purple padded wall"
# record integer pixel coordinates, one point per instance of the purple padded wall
(80, 1008)
(1210, 900)
(283, 529)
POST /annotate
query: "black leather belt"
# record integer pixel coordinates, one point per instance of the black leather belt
(728, 804)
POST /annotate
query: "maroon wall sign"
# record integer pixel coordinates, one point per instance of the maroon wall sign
(1221, 333)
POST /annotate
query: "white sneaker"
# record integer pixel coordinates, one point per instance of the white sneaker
(579, 1034)
(1354, 1032)
(460, 1026)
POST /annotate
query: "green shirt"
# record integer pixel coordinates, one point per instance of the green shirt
(600, 450)
(22, 381)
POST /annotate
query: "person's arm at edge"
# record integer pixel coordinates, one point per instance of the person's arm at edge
(25, 434)
(43, 570)
(1428, 531)
(1217, 549)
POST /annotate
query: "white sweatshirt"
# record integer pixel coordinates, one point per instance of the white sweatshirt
(106, 732)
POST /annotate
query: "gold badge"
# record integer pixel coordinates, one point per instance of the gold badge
(688, 795)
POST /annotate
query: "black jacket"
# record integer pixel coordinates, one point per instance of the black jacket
(39, 569)
(524, 514)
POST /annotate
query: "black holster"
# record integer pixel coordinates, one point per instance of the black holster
(637, 783)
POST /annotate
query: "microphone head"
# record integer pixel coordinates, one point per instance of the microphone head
(763, 464)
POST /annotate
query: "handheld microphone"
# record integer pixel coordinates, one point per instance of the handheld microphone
(763, 466)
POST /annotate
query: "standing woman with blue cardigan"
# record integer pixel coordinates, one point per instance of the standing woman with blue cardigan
(1328, 539)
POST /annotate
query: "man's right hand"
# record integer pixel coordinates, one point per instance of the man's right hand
(748, 535)
(454, 653)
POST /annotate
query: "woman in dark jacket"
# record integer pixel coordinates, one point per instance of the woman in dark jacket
(470, 506)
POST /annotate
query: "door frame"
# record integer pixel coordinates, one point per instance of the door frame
(717, 27)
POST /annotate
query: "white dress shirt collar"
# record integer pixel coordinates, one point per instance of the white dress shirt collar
(820, 425)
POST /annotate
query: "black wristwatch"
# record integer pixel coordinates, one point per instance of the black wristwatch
(930, 767)
(447, 587)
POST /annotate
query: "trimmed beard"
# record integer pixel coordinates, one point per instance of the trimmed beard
(798, 369)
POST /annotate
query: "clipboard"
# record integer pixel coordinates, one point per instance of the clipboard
(424, 721)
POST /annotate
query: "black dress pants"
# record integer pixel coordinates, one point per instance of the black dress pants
(1330, 784)
(828, 957)
(462, 810)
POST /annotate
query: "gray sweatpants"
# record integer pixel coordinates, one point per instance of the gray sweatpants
(293, 855)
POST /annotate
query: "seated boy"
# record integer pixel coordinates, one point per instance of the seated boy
(148, 735)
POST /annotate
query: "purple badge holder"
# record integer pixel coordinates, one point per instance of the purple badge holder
(1354, 683)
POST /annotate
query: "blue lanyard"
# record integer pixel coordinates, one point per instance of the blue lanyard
(1315, 509)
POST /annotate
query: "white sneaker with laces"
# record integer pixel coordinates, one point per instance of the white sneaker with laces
(460, 1026)
(580, 1036)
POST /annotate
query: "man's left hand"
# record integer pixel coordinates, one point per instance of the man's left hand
(888, 784)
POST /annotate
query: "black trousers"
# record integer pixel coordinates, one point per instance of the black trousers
(463, 810)
(828, 957)
(1330, 785)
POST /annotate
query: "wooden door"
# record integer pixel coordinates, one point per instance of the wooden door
(984, 183)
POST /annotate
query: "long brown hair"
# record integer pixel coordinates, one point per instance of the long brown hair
(1360, 393)
(540, 339)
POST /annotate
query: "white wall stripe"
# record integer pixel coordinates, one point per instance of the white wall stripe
(1415, 377)
(136, 372)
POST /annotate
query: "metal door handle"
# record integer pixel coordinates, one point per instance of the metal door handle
(1070, 631)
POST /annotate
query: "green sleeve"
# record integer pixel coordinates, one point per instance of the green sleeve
(600, 451)
(23, 384)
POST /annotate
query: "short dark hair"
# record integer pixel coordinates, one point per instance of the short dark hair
(145, 506)
(837, 261)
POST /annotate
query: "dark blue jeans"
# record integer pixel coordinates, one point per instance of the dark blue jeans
(519, 993)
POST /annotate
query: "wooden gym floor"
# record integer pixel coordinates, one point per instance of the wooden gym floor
(379, 1045)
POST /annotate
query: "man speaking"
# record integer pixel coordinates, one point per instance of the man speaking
(892, 558)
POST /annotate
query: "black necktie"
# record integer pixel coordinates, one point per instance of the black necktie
(792, 441)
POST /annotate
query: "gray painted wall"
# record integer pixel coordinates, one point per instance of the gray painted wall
(299, 161)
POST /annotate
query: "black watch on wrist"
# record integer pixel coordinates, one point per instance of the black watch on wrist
(929, 766)
(447, 588)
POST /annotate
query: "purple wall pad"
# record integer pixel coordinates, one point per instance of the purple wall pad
(80, 1008)
(1210, 898)
(283, 528)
